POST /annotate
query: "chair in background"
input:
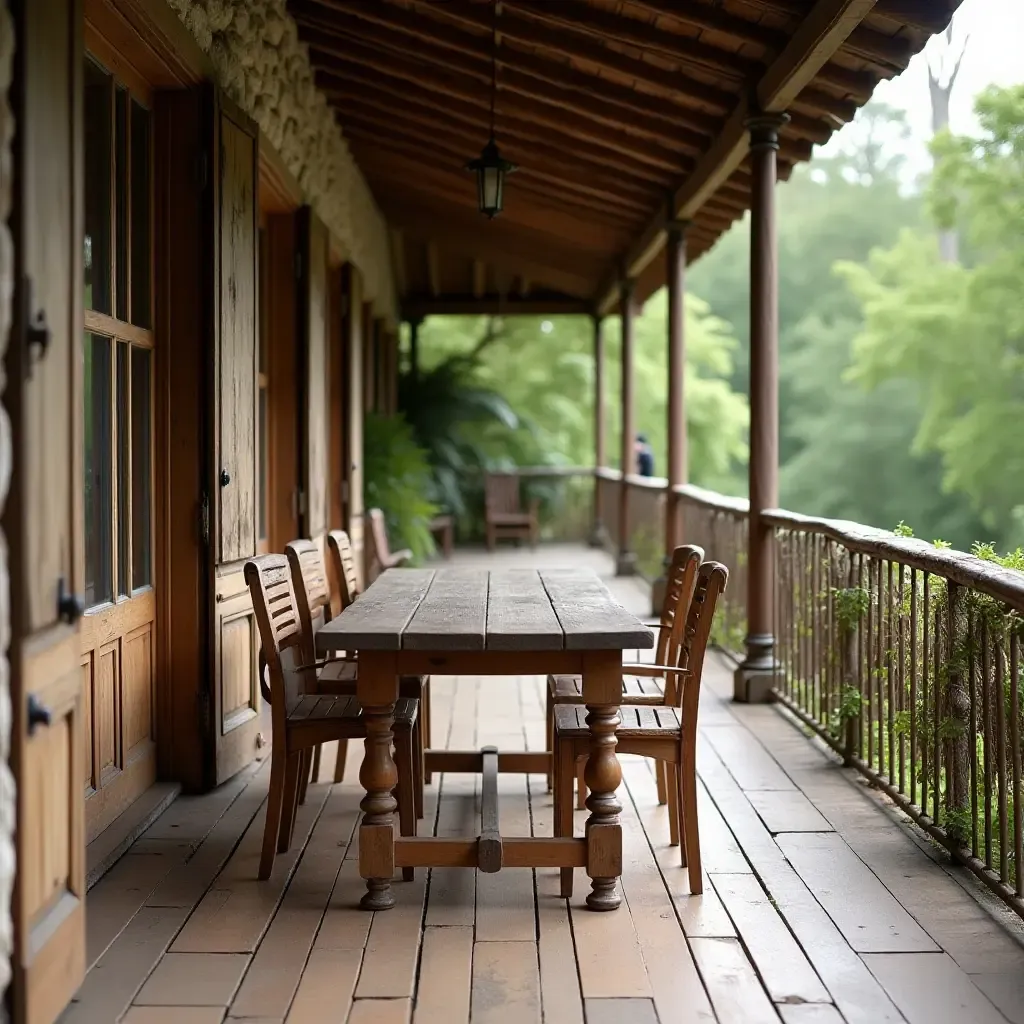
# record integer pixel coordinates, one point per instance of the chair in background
(643, 684)
(303, 721)
(343, 565)
(666, 733)
(382, 557)
(503, 511)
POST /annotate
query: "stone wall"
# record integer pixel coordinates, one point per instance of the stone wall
(255, 49)
(7, 804)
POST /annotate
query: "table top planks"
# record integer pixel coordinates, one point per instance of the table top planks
(477, 610)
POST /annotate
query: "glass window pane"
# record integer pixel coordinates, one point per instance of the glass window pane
(121, 199)
(141, 192)
(142, 477)
(98, 185)
(124, 510)
(261, 495)
(98, 471)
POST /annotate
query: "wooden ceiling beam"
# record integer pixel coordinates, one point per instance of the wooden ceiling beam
(495, 305)
(820, 34)
(369, 154)
(525, 32)
(551, 176)
(622, 153)
(930, 16)
(552, 83)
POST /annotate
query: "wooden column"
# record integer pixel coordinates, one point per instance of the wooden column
(754, 676)
(675, 277)
(414, 351)
(598, 534)
(626, 564)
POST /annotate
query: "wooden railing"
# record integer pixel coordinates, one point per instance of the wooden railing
(566, 494)
(903, 657)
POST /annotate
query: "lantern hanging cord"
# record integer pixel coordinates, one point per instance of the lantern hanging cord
(494, 61)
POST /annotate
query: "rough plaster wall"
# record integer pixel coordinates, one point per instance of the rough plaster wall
(6, 290)
(255, 48)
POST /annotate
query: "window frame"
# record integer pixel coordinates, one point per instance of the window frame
(134, 337)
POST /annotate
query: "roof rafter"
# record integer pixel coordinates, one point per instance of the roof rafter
(822, 32)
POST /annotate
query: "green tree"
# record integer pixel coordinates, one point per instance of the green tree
(956, 331)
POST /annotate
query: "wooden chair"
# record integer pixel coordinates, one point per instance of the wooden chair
(642, 684)
(381, 555)
(503, 510)
(343, 564)
(667, 734)
(302, 721)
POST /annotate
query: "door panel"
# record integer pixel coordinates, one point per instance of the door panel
(313, 338)
(44, 516)
(237, 341)
(235, 647)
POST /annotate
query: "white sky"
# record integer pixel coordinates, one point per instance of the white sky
(995, 54)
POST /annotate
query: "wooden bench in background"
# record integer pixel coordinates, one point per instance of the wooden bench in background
(503, 511)
(443, 529)
(381, 557)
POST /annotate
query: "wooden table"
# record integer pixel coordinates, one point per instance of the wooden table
(474, 622)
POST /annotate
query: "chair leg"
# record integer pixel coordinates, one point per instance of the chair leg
(428, 776)
(316, 762)
(404, 758)
(274, 802)
(417, 768)
(564, 772)
(675, 789)
(581, 786)
(671, 771)
(304, 767)
(549, 735)
(688, 806)
(661, 774)
(339, 764)
(289, 801)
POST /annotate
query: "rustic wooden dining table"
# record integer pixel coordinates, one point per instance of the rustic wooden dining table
(487, 623)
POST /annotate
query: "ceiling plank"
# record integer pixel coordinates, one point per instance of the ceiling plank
(495, 305)
(820, 34)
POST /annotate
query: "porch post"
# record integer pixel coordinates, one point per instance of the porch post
(626, 563)
(676, 426)
(756, 675)
(598, 535)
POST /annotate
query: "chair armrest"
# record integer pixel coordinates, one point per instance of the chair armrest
(312, 667)
(647, 669)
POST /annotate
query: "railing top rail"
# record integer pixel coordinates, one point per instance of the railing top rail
(958, 566)
(556, 471)
(712, 500)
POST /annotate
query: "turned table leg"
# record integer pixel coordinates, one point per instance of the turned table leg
(378, 776)
(602, 692)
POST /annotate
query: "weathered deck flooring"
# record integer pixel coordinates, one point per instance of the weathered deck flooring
(819, 907)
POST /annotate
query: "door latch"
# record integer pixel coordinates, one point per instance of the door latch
(38, 714)
(70, 607)
(37, 330)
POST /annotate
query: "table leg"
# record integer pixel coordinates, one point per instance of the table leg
(603, 775)
(378, 776)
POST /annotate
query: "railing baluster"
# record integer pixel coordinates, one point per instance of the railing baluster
(913, 687)
(936, 708)
(1018, 810)
(890, 682)
(901, 654)
(925, 707)
(987, 745)
(973, 745)
(1000, 702)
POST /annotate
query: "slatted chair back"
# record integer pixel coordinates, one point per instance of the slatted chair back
(312, 591)
(682, 573)
(269, 579)
(501, 493)
(343, 561)
(380, 553)
(712, 578)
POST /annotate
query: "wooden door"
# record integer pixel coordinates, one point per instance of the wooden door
(312, 264)
(337, 373)
(236, 692)
(353, 338)
(44, 515)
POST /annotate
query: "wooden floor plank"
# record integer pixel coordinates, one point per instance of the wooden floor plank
(856, 993)
(811, 1013)
(736, 993)
(452, 897)
(234, 914)
(748, 762)
(194, 979)
(867, 914)
(173, 1015)
(788, 811)
(611, 964)
(392, 948)
(446, 976)
(929, 988)
(380, 1011)
(324, 995)
(506, 983)
(785, 971)
(278, 965)
(621, 1011)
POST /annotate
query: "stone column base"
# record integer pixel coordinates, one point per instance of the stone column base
(598, 536)
(625, 564)
(753, 685)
